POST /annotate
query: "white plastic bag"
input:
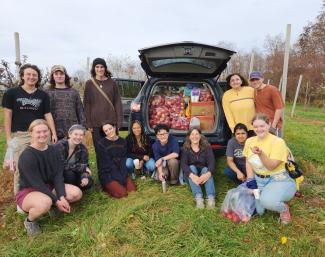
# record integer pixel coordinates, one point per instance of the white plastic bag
(8, 162)
(239, 204)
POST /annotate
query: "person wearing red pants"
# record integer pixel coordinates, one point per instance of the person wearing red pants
(112, 171)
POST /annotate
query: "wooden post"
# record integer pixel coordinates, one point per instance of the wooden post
(280, 83)
(251, 65)
(17, 51)
(296, 96)
(285, 70)
(306, 96)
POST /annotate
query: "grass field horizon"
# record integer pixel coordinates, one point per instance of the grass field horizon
(150, 223)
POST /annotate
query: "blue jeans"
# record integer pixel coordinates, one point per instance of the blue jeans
(148, 165)
(209, 185)
(274, 192)
(231, 175)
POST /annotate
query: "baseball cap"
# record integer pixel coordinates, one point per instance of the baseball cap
(255, 75)
(58, 68)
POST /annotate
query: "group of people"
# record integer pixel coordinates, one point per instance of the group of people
(257, 150)
(46, 129)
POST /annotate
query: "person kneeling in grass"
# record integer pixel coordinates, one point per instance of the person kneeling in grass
(266, 155)
(74, 155)
(112, 171)
(198, 163)
(41, 181)
(166, 152)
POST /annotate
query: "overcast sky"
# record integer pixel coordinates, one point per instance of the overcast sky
(67, 31)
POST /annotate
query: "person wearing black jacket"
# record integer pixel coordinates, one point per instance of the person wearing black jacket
(139, 150)
(198, 164)
(41, 179)
(111, 156)
(74, 155)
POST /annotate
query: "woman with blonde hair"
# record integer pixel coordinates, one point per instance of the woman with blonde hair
(266, 155)
(41, 182)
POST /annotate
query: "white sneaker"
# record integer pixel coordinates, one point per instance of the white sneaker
(211, 203)
(199, 202)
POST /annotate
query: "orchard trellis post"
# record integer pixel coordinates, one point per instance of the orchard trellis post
(296, 96)
(285, 69)
(17, 51)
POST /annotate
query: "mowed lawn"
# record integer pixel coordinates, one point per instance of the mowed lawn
(150, 223)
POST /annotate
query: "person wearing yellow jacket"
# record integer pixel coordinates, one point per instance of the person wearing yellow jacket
(238, 102)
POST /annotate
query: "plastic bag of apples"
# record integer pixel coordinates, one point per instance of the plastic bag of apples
(239, 204)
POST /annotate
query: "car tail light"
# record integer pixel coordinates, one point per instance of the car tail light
(135, 106)
(216, 146)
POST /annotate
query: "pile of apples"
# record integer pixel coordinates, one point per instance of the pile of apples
(235, 216)
(168, 110)
(205, 96)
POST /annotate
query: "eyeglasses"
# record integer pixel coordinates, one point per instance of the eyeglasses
(162, 135)
(254, 79)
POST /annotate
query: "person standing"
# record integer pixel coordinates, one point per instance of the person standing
(65, 103)
(238, 103)
(268, 100)
(102, 101)
(22, 105)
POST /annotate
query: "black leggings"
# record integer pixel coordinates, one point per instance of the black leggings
(74, 178)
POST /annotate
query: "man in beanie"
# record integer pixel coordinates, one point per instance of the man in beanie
(268, 100)
(65, 102)
(102, 100)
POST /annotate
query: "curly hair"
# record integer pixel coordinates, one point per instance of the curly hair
(30, 66)
(203, 144)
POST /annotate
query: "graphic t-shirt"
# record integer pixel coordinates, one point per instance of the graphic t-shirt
(235, 150)
(25, 107)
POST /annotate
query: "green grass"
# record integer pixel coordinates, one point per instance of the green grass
(150, 223)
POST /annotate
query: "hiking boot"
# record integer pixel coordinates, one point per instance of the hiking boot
(285, 216)
(32, 227)
(211, 203)
(199, 202)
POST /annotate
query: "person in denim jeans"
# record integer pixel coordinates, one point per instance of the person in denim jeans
(198, 164)
(266, 155)
(139, 150)
(236, 168)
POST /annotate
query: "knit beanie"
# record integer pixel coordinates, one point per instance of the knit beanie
(99, 61)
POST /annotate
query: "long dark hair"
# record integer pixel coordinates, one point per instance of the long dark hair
(143, 136)
(66, 81)
(203, 144)
(244, 81)
(107, 73)
(30, 66)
